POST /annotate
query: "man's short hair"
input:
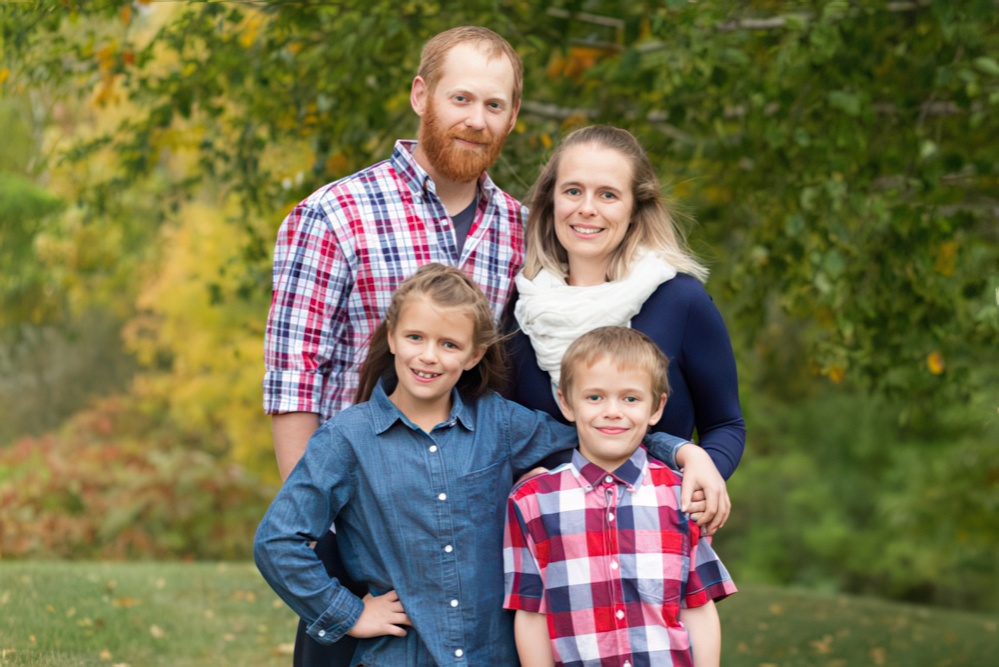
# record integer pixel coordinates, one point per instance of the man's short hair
(625, 347)
(494, 46)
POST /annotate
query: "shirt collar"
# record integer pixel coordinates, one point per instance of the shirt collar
(416, 177)
(629, 473)
(385, 412)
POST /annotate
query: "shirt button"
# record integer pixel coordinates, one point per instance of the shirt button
(459, 653)
(610, 515)
(442, 496)
(433, 448)
(613, 565)
(321, 633)
(454, 603)
(626, 664)
(608, 479)
(448, 549)
(620, 614)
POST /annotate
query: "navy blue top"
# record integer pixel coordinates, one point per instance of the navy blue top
(683, 320)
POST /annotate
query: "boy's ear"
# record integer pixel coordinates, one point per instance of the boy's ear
(658, 414)
(476, 358)
(565, 406)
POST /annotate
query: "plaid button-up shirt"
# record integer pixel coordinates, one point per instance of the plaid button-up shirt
(611, 560)
(340, 255)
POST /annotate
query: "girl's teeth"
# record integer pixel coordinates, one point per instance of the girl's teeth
(426, 376)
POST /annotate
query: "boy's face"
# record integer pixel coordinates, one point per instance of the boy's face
(613, 407)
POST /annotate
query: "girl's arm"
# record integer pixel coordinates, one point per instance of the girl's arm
(533, 645)
(704, 630)
(303, 510)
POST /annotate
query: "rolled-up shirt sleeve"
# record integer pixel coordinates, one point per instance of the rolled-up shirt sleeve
(307, 312)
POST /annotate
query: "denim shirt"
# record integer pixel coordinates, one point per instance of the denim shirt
(420, 513)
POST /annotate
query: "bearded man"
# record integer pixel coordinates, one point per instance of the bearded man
(341, 253)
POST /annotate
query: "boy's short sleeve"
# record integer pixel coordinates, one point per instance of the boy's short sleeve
(523, 581)
(708, 579)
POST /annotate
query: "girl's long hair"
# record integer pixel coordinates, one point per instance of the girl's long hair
(450, 288)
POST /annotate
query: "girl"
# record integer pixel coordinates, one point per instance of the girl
(415, 479)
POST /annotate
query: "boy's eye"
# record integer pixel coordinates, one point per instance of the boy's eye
(592, 397)
(631, 399)
(449, 345)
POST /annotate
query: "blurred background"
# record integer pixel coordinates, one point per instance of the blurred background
(838, 163)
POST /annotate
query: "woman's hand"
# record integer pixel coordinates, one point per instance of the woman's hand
(382, 615)
(701, 475)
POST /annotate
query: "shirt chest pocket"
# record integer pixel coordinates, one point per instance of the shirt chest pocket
(660, 577)
(485, 490)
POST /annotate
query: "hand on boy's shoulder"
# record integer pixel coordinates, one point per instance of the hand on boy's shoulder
(529, 474)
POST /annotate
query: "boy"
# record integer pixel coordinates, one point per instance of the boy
(601, 565)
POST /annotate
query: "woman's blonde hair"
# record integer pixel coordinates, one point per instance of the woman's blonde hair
(652, 223)
(448, 288)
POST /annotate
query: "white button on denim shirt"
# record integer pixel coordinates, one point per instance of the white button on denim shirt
(397, 494)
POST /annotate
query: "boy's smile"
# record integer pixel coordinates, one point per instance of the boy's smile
(613, 407)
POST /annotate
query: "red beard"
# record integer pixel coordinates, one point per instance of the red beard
(454, 161)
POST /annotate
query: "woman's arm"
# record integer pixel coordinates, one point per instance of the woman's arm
(710, 373)
(533, 644)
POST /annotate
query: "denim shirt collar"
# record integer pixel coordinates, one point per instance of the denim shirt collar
(418, 180)
(629, 473)
(386, 413)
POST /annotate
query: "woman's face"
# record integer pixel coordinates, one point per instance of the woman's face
(593, 206)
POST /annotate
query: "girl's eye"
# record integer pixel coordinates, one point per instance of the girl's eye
(412, 336)
(451, 346)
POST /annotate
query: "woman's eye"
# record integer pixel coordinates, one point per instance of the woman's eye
(572, 191)
(609, 195)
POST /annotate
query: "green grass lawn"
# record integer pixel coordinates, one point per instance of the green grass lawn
(177, 614)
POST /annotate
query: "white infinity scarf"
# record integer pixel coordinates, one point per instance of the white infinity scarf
(553, 314)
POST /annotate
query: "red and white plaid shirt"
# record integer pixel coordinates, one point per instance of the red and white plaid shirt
(340, 255)
(611, 560)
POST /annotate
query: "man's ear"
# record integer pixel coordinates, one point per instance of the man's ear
(513, 117)
(658, 414)
(565, 406)
(418, 95)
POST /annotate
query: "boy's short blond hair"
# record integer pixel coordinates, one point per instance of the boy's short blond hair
(626, 347)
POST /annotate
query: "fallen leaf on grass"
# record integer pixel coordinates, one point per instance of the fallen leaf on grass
(287, 648)
(105, 654)
(229, 637)
(776, 609)
(823, 645)
(125, 602)
(157, 632)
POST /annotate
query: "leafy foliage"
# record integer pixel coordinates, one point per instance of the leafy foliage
(840, 158)
(85, 493)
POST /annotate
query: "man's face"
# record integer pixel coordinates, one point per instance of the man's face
(469, 114)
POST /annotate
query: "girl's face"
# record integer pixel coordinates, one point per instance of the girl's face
(593, 206)
(433, 346)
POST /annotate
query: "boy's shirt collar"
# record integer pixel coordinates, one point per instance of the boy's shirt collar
(629, 473)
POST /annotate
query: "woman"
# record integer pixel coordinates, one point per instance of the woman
(602, 249)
